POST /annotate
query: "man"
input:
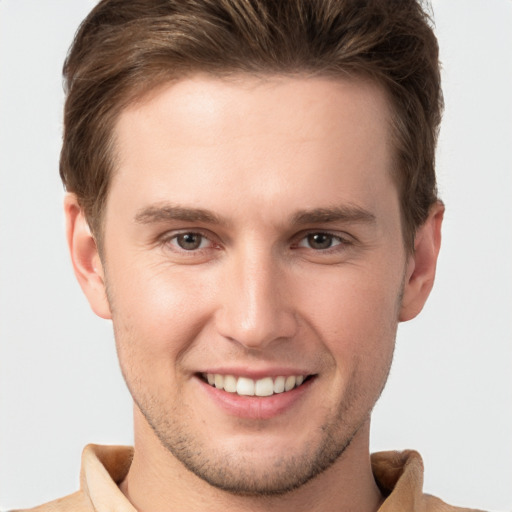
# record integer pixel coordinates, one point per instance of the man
(252, 201)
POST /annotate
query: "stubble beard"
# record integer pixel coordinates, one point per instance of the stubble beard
(235, 473)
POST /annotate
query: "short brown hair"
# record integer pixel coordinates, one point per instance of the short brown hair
(126, 47)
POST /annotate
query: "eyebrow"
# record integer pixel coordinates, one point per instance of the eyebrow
(334, 214)
(168, 212)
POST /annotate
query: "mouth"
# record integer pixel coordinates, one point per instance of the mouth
(264, 387)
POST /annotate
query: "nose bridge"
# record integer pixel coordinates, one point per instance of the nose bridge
(256, 308)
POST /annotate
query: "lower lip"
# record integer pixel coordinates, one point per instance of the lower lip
(254, 407)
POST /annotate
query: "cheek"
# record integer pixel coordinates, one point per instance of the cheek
(355, 315)
(157, 315)
(355, 305)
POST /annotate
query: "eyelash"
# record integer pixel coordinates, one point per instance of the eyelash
(171, 238)
(340, 242)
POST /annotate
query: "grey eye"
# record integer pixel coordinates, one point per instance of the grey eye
(189, 241)
(320, 240)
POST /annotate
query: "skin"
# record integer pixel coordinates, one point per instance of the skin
(277, 164)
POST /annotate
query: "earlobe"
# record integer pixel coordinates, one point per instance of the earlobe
(85, 257)
(421, 269)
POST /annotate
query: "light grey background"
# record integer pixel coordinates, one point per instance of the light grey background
(450, 390)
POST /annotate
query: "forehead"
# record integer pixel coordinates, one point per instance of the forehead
(283, 139)
(271, 104)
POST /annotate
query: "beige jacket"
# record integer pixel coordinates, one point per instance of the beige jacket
(398, 474)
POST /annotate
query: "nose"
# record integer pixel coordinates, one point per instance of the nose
(255, 307)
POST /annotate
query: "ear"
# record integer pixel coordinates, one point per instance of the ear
(85, 257)
(421, 267)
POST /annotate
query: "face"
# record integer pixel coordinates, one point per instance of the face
(254, 267)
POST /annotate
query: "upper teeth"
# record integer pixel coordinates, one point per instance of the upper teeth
(249, 387)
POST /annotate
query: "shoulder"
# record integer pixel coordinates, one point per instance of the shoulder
(433, 504)
(399, 476)
(76, 502)
(102, 468)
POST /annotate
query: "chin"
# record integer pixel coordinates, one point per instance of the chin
(259, 465)
(268, 476)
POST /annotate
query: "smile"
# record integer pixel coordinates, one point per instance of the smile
(245, 386)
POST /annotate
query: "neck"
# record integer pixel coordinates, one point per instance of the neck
(158, 481)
